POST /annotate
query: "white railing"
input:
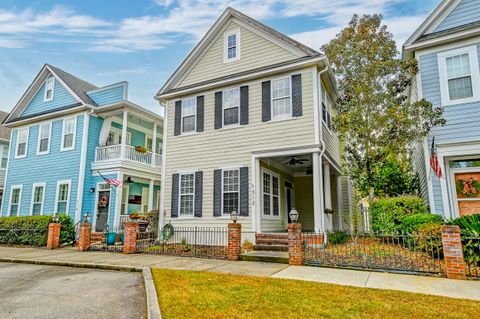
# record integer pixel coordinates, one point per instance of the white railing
(114, 152)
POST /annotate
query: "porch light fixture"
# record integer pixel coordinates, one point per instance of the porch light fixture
(293, 215)
(92, 189)
(55, 218)
(86, 217)
(234, 216)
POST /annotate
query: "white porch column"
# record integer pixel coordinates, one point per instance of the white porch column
(318, 215)
(118, 201)
(257, 191)
(328, 194)
(340, 202)
(124, 134)
(150, 195)
(154, 144)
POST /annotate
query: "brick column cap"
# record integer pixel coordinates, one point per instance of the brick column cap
(450, 229)
(293, 226)
(234, 225)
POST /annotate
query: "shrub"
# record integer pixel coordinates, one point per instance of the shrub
(247, 245)
(338, 237)
(67, 232)
(387, 213)
(470, 230)
(29, 230)
(412, 223)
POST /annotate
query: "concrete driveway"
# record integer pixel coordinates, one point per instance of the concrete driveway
(35, 291)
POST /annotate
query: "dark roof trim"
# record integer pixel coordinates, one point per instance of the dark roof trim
(442, 33)
(26, 117)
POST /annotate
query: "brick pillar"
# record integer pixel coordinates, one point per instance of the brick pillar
(234, 238)
(295, 244)
(84, 238)
(53, 240)
(453, 252)
(130, 237)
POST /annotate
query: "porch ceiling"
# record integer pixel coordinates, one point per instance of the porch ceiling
(296, 167)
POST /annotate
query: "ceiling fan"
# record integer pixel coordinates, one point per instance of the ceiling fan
(294, 161)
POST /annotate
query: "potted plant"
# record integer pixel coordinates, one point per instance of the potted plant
(140, 149)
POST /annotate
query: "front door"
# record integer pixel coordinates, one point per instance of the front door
(103, 204)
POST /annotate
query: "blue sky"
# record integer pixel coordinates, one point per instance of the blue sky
(143, 41)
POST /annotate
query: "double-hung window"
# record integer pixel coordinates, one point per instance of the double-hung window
(281, 98)
(231, 190)
(271, 194)
(232, 46)
(44, 138)
(115, 137)
(15, 198)
(187, 194)
(326, 108)
(231, 106)
(459, 75)
(37, 199)
(22, 140)
(189, 115)
(49, 87)
(63, 195)
(68, 134)
(4, 162)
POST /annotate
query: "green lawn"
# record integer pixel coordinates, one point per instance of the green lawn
(191, 294)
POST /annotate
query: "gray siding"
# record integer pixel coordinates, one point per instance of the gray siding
(467, 11)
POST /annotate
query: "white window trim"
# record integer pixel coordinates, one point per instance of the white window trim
(180, 194)
(2, 147)
(49, 138)
(231, 169)
(44, 185)
(271, 99)
(223, 108)
(271, 216)
(118, 133)
(52, 80)
(329, 108)
(159, 145)
(74, 134)
(20, 187)
(69, 182)
(225, 46)
(26, 142)
(181, 114)
(474, 71)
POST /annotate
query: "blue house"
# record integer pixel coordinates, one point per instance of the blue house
(68, 136)
(447, 48)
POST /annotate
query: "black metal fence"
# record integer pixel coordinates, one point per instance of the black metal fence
(406, 253)
(471, 254)
(36, 237)
(205, 242)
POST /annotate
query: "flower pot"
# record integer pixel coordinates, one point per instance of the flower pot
(140, 149)
(111, 238)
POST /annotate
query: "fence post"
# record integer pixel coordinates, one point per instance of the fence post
(295, 252)
(453, 252)
(53, 240)
(84, 238)
(234, 238)
(130, 237)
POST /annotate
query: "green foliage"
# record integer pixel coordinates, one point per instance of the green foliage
(186, 245)
(29, 230)
(470, 230)
(337, 238)
(388, 213)
(420, 222)
(67, 231)
(375, 118)
(393, 178)
(469, 225)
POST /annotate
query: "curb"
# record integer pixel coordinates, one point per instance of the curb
(153, 309)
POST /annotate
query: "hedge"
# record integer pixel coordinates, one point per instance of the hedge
(388, 213)
(419, 222)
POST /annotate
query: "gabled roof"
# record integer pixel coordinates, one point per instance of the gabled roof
(301, 49)
(4, 131)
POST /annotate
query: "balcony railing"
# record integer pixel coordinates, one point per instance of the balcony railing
(114, 152)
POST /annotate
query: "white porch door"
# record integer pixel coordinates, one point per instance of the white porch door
(125, 191)
(145, 192)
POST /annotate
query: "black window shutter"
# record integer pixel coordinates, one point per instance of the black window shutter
(175, 191)
(198, 193)
(297, 95)
(200, 106)
(243, 105)
(243, 191)
(266, 102)
(178, 118)
(218, 109)
(217, 193)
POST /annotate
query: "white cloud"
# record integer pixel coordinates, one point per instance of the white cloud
(114, 73)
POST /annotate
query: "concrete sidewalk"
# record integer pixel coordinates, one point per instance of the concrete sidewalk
(367, 279)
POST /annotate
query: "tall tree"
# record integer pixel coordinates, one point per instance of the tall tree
(376, 119)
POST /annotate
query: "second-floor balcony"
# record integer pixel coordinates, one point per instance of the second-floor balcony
(114, 153)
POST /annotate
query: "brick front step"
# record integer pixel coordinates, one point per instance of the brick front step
(97, 237)
(270, 241)
(266, 256)
(271, 247)
(271, 236)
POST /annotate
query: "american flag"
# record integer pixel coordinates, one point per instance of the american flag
(113, 181)
(434, 163)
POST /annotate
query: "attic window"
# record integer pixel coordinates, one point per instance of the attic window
(49, 85)
(232, 46)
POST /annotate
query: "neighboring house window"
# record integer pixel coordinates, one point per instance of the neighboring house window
(22, 140)
(187, 194)
(63, 194)
(68, 134)
(231, 106)
(49, 86)
(271, 195)
(115, 137)
(232, 46)
(4, 162)
(37, 199)
(44, 138)
(189, 115)
(231, 190)
(15, 198)
(326, 108)
(459, 75)
(149, 144)
(281, 98)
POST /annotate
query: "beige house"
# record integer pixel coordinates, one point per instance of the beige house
(247, 128)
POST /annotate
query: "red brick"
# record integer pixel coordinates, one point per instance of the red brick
(234, 240)
(53, 240)
(453, 252)
(295, 253)
(84, 238)
(130, 237)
